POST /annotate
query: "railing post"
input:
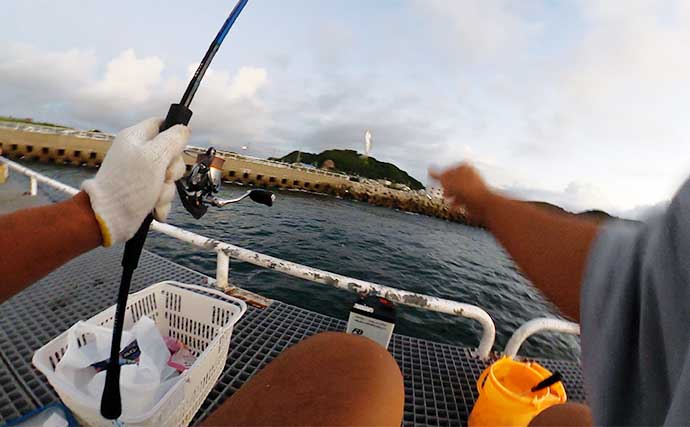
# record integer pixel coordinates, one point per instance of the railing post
(33, 186)
(222, 267)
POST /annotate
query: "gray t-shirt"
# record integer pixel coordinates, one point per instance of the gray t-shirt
(635, 318)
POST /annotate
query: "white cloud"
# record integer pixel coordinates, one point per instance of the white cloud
(577, 196)
(244, 84)
(128, 80)
(629, 71)
(334, 41)
(29, 75)
(607, 104)
(228, 108)
(483, 30)
(65, 86)
(582, 104)
(644, 212)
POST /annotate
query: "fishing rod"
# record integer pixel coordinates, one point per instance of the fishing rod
(195, 193)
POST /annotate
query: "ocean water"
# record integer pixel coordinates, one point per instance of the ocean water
(381, 245)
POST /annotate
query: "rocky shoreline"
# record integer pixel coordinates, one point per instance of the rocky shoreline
(408, 201)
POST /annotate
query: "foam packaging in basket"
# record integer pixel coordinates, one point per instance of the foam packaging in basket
(153, 393)
(142, 384)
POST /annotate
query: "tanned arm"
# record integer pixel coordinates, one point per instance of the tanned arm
(35, 241)
(550, 248)
(136, 177)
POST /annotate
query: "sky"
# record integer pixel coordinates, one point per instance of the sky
(579, 103)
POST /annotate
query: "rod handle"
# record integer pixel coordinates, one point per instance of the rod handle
(134, 246)
(178, 114)
(111, 402)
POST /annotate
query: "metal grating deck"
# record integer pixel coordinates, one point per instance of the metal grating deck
(439, 378)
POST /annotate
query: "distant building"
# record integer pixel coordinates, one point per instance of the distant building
(328, 164)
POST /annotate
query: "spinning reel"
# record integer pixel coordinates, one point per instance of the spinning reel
(197, 190)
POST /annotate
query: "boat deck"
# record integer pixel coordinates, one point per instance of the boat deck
(439, 378)
(12, 196)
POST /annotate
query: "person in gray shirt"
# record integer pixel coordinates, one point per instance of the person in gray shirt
(628, 284)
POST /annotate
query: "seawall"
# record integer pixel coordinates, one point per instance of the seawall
(80, 148)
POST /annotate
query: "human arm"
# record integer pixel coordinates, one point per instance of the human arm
(136, 177)
(631, 283)
(550, 248)
(35, 241)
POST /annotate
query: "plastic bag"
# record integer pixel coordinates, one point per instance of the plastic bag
(142, 385)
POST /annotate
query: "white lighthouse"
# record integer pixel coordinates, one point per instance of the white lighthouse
(367, 143)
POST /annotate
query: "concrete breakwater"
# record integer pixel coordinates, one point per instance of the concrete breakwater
(80, 148)
(408, 201)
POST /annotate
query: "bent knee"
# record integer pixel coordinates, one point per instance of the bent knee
(368, 377)
(353, 351)
(348, 343)
(327, 379)
(566, 414)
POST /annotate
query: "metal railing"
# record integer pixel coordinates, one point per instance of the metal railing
(534, 326)
(225, 251)
(27, 127)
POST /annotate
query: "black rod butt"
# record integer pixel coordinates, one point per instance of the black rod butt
(178, 114)
(111, 404)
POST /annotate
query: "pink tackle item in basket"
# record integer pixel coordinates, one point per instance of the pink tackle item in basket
(181, 358)
(173, 344)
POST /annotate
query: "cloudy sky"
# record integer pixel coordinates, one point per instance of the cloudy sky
(581, 103)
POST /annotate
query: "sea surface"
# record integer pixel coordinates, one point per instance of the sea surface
(381, 245)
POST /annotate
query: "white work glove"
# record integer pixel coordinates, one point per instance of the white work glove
(137, 176)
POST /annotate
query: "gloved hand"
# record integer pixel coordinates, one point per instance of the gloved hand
(137, 175)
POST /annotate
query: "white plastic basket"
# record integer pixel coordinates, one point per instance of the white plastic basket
(202, 322)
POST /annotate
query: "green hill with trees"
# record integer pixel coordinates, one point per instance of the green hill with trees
(593, 214)
(352, 163)
(29, 121)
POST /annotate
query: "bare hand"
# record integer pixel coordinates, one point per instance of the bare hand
(464, 187)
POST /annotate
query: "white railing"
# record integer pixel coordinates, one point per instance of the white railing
(35, 128)
(35, 178)
(534, 326)
(226, 251)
